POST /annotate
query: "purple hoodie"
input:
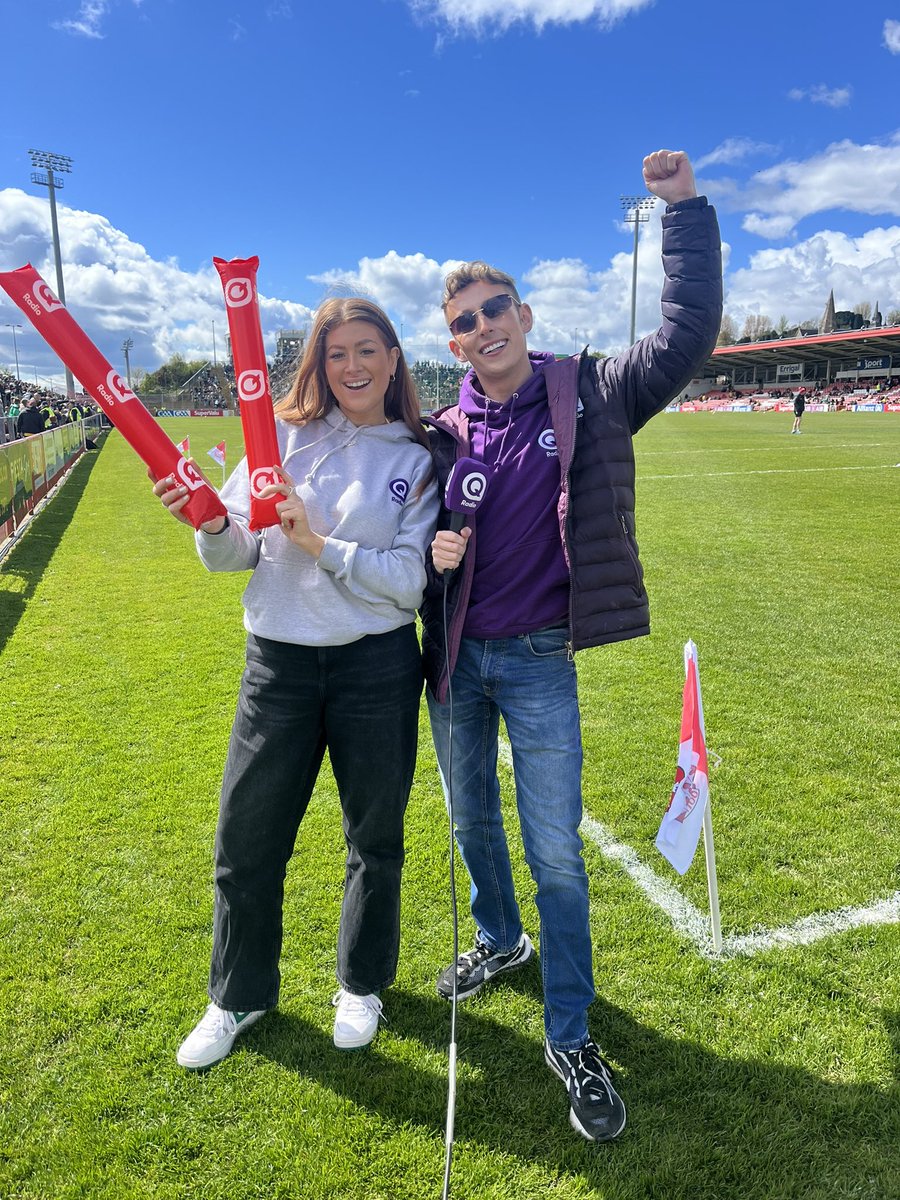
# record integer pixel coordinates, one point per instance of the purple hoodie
(521, 581)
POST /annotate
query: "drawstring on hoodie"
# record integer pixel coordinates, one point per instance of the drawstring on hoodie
(510, 404)
(353, 434)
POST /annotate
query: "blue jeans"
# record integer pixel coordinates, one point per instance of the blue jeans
(530, 681)
(361, 703)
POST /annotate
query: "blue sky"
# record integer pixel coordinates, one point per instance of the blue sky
(374, 143)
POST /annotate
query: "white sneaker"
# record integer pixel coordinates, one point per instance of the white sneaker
(356, 1019)
(213, 1036)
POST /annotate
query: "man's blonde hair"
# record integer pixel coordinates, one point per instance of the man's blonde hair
(476, 272)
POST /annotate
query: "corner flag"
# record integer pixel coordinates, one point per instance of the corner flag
(679, 832)
(217, 453)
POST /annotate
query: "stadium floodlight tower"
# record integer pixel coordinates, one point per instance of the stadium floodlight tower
(9, 325)
(637, 209)
(49, 163)
(127, 346)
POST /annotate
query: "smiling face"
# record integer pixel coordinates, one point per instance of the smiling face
(358, 367)
(497, 349)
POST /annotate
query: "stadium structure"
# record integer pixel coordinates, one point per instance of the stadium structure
(867, 356)
(842, 356)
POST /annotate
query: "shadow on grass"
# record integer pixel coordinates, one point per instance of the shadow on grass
(699, 1126)
(23, 567)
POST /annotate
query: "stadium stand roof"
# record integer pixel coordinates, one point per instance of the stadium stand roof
(836, 348)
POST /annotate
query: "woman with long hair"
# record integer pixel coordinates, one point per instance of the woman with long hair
(332, 663)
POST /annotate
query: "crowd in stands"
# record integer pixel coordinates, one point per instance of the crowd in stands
(839, 395)
(26, 409)
(437, 383)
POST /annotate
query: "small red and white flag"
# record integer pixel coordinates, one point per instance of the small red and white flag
(185, 447)
(679, 832)
(217, 453)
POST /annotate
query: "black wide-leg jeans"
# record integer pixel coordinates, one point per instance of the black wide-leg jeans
(361, 702)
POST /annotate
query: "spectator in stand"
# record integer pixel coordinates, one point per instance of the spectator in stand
(31, 420)
(799, 406)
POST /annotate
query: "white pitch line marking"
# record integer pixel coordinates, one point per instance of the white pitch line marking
(771, 471)
(759, 449)
(689, 921)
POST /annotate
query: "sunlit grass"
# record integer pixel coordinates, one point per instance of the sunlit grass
(770, 1077)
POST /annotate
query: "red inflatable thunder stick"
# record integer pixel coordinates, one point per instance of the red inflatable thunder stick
(252, 379)
(72, 345)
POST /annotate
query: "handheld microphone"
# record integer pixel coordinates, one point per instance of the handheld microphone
(465, 491)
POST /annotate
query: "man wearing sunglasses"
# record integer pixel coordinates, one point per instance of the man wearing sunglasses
(549, 565)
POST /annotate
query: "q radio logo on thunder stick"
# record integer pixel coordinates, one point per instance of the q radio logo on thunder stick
(43, 300)
(189, 475)
(45, 297)
(116, 391)
(261, 478)
(238, 292)
(251, 384)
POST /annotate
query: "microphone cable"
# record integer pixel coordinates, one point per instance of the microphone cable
(451, 1074)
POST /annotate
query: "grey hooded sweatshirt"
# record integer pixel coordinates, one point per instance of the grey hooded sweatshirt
(362, 489)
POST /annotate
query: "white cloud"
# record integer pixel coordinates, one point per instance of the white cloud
(87, 22)
(733, 150)
(845, 175)
(115, 289)
(795, 280)
(820, 94)
(892, 36)
(769, 227)
(483, 16)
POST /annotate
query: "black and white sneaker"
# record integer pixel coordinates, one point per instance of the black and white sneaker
(480, 965)
(596, 1111)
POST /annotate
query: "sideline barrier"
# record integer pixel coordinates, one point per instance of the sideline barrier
(34, 467)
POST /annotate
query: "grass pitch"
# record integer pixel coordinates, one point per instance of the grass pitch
(772, 1077)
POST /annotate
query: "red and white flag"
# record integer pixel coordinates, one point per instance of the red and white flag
(679, 832)
(218, 454)
(184, 447)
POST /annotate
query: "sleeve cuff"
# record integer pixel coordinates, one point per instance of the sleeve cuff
(331, 558)
(690, 202)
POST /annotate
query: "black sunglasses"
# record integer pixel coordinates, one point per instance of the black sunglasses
(495, 307)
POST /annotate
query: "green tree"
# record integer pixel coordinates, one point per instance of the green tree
(171, 375)
(727, 331)
(757, 327)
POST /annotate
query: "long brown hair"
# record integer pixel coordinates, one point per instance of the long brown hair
(310, 397)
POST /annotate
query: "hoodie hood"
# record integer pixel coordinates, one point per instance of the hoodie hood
(331, 434)
(474, 403)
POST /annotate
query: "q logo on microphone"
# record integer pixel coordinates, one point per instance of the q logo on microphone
(251, 385)
(473, 486)
(45, 297)
(238, 292)
(261, 478)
